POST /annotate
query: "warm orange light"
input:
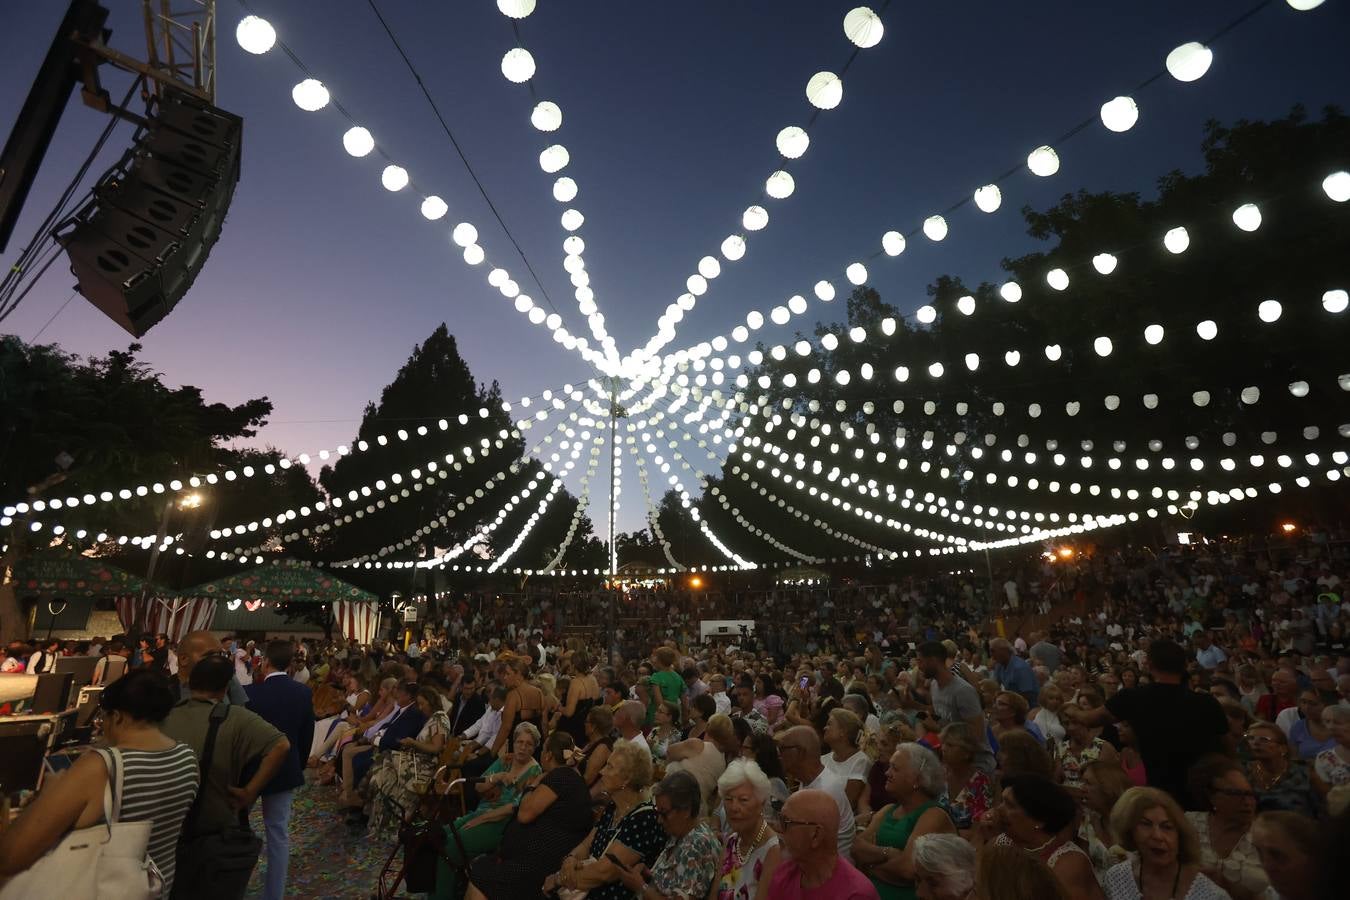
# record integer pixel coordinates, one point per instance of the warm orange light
(696, 582)
(1288, 527)
(1066, 552)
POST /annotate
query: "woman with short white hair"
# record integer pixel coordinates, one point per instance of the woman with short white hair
(944, 866)
(750, 849)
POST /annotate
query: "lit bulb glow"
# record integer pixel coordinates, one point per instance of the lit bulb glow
(1177, 240)
(357, 141)
(1043, 161)
(1247, 217)
(255, 35)
(824, 90)
(988, 198)
(792, 142)
(863, 27)
(394, 178)
(434, 208)
(546, 116)
(935, 228)
(518, 65)
(310, 95)
(1189, 62)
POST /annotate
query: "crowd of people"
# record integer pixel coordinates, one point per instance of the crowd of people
(1124, 724)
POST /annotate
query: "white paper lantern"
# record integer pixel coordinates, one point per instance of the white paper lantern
(1010, 291)
(573, 264)
(709, 267)
(733, 248)
(863, 27)
(464, 234)
(256, 35)
(1207, 330)
(988, 198)
(893, 242)
(935, 370)
(573, 245)
(1269, 311)
(1120, 114)
(434, 208)
(697, 285)
(829, 340)
(901, 375)
(796, 304)
(824, 90)
(780, 315)
(685, 302)
(1200, 398)
(1335, 301)
(473, 254)
(546, 116)
(842, 376)
(779, 185)
(740, 334)
(564, 190)
(1299, 388)
(357, 141)
(1177, 240)
(1247, 217)
(1053, 352)
(310, 95)
(537, 316)
(824, 291)
(498, 277)
(516, 9)
(966, 305)
(1337, 186)
(856, 273)
(1190, 61)
(935, 228)
(1305, 5)
(1153, 334)
(394, 178)
(1102, 346)
(972, 361)
(792, 142)
(755, 319)
(518, 65)
(1012, 358)
(1104, 263)
(926, 314)
(554, 158)
(1057, 279)
(1043, 161)
(523, 303)
(1251, 395)
(754, 218)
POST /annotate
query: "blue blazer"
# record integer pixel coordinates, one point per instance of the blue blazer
(289, 707)
(406, 724)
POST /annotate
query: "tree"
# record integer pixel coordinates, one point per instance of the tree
(74, 427)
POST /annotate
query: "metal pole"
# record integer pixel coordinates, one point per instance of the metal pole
(613, 547)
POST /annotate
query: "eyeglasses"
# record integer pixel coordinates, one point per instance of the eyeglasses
(1261, 739)
(663, 813)
(781, 822)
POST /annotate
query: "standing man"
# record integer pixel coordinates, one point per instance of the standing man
(1012, 672)
(194, 646)
(954, 700)
(289, 707)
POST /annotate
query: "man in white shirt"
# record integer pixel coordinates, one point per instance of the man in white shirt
(44, 658)
(484, 731)
(799, 749)
(628, 723)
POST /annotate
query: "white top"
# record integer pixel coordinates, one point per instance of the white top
(484, 731)
(855, 768)
(1049, 724)
(833, 785)
(640, 740)
(1241, 866)
(1286, 719)
(1120, 884)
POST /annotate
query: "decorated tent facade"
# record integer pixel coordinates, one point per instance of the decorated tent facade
(292, 581)
(50, 574)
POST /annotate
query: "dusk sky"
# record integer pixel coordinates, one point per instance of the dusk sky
(323, 281)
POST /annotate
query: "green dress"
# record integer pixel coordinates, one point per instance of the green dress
(669, 686)
(479, 839)
(895, 832)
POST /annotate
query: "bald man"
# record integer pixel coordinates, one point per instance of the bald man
(812, 868)
(799, 748)
(193, 646)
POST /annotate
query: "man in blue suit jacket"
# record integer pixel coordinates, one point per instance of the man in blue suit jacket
(405, 722)
(289, 707)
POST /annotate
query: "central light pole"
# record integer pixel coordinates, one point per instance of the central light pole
(615, 411)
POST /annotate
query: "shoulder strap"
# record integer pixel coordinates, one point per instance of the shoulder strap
(112, 789)
(219, 712)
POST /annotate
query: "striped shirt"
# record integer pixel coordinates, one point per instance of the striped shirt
(159, 785)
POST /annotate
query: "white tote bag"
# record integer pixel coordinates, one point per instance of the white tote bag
(107, 861)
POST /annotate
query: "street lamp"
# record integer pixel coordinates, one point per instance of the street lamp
(1288, 527)
(190, 501)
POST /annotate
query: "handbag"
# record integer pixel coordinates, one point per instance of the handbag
(218, 864)
(104, 862)
(566, 893)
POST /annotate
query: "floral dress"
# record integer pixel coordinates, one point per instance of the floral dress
(687, 866)
(739, 879)
(400, 776)
(1071, 764)
(1332, 768)
(971, 802)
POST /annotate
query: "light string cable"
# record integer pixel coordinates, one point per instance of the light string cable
(1187, 62)
(257, 36)
(653, 516)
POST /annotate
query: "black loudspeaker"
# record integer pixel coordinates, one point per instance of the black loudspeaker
(137, 246)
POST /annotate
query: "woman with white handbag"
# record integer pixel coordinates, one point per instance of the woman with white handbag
(108, 827)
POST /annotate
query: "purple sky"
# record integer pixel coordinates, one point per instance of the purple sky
(323, 281)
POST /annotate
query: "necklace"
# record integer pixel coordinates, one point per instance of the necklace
(742, 856)
(1265, 778)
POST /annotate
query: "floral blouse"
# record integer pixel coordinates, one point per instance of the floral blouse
(972, 801)
(686, 868)
(1071, 764)
(740, 882)
(1332, 768)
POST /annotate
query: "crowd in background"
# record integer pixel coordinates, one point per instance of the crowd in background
(1116, 724)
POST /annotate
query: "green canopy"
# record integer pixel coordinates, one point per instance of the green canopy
(60, 573)
(282, 580)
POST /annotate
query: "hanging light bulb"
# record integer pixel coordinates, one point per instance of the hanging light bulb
(1269, 311)
(1189, 62)
(1102, 346)
(863, 27)
(256, 35)
(1120, 114)
(824, 291)
(792, 142)
(824, 90)
(1335, 301)
(1207, 330)
(1337, 186)
(779, 185)
(554, 159)
(966, 305)
(733, 248)
(1153, 334)
(516, 9)
(856, 273)
(310, 95)
(394, 178)
(518, 65)
(1010, 291)
(357, 141)
(754, 218)
(1057, 279)
(988, 198)
(893, 242)
(926, 314)
(935, 228)
(434, 208)
(473, 254)
(1043, 161)
(546, 116)
(1247, 217)
(1177, 240)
